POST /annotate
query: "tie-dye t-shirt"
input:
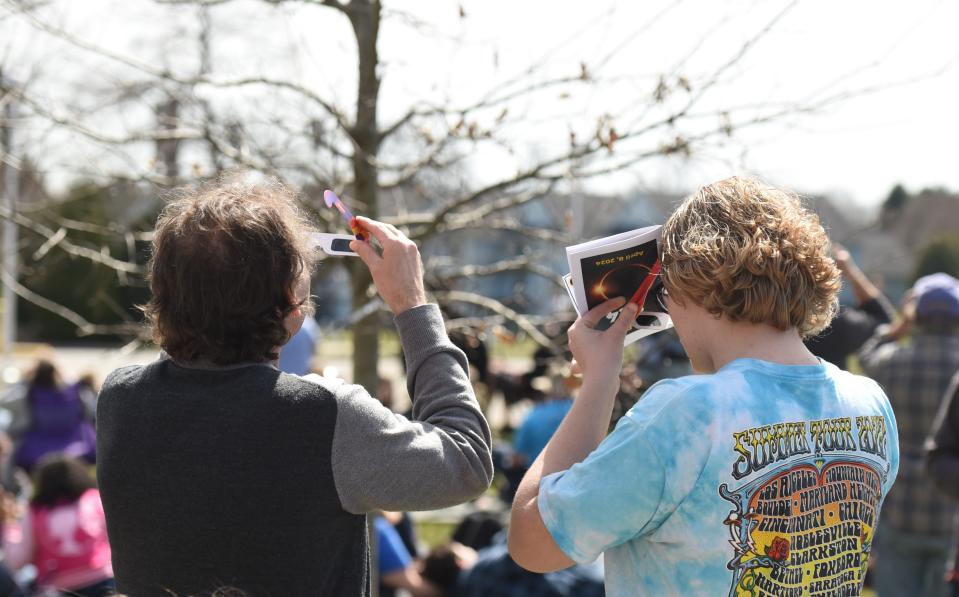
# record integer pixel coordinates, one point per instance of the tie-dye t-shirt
(761, 479)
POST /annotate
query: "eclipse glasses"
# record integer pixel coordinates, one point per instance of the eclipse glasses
(334, 244)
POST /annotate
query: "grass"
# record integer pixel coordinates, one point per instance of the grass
(433, 533)
(339, 345)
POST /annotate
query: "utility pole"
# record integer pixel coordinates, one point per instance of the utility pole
(11, 191)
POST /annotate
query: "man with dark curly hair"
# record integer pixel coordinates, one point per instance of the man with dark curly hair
(215, 468)
(763, 474)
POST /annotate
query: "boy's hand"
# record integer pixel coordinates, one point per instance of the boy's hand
(398, 272)
(598, 353)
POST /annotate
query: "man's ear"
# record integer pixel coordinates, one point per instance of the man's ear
(293, 321)
(291, 294)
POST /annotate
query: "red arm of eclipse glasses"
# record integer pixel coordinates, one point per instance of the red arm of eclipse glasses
(639, 297)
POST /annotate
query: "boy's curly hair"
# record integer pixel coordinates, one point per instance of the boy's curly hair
(226, 258)
(749, 252)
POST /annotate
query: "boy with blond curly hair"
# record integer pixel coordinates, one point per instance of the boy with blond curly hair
(761, 474)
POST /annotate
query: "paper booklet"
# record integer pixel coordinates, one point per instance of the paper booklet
(625, 265)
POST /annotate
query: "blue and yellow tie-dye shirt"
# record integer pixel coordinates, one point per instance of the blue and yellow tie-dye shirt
(759, 479)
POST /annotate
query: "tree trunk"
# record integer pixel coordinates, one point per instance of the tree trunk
(365, 18)
(168, 150)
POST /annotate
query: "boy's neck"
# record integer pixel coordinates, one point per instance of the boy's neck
(740, 340)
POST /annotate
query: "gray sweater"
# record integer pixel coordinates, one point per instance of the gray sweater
(247, 477)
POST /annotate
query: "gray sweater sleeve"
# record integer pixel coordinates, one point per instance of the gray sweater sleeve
(384, 461)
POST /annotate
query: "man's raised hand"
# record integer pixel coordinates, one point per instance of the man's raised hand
(398, 271)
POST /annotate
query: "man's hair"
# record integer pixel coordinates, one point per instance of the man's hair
(749, 252)
(226, 258)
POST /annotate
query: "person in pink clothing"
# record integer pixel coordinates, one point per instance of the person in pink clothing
(64, 531)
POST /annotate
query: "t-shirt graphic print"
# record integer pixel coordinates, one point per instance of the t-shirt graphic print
(804, 509)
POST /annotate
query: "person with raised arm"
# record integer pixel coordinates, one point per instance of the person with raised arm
(854, 324)
(914, 359)
(216, 468)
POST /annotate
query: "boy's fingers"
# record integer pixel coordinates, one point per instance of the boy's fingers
(627, 317)
(592, 317)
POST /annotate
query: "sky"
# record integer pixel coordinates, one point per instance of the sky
(898, 61)
(870, 88)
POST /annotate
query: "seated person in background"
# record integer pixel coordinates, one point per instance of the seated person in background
(853, 325)
(9, 513)
(89, 391)
(396, 566)
(547, 413)
(402, 524)
(696, 491)
(476, 563)
(56, 420)
(491, 572)
(217, 469)
(552, 399)
(63, 533)
(479, 529)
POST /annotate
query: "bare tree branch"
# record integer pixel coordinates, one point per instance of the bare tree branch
(460, 296)
(577, 153)
(738, 56)
(204, 3)
(164, 75)
(424, 143)
(487, 321)
(84, 327)
(703, 88)
(135, 137)
(509, 202)
(110, 230)
(486, 103)
(49, 244)
(102, 257)
(542, 234)
(528, 263)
